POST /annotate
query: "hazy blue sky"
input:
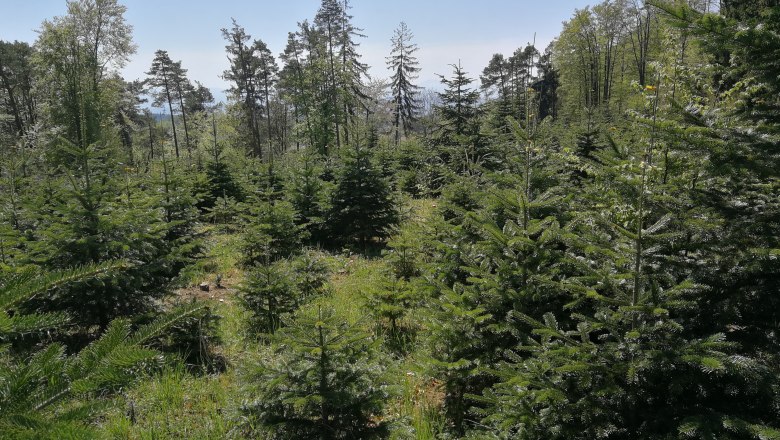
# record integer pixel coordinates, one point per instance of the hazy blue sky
(446, 31)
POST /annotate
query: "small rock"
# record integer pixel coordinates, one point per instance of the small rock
(204, 287)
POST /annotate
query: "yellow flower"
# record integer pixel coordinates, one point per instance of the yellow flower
(649, 88)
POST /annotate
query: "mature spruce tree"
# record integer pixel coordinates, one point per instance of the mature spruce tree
(293, 88)
(328, 25)
(403, 64)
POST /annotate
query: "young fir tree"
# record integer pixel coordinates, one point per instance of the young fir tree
(309, 195)
(738, 149)
(268, 293)
(219, 183)
(50, 394)
(362, 206)
(636, 361)
(274, 290)
(175, 196)
(323, 381)
(403, 64)
(95, 210)
(389, 303)
(458, 133)
(509, 248)
(272, 231)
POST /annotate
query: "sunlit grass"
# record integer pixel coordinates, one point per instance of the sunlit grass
(177, 404)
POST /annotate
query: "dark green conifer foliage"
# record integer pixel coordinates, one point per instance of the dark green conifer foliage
(403, 253)
(268, 293)
(272, 231)
(271, 291)
(461, 145)
(362, 206)
(616, 279)
(738, 147)
(91, 210)
(309, 195)
(547, 86)
(458, 107)
(588, 143)
(310, 274)
(220, 183)
(174, 195)
(635, 360)
(323, 381)
(390, 303)
(96, 217)
(403, 63)
(13, 217)
(50, 394)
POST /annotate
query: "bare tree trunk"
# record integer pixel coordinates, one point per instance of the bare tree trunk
(184, 120)
(170, 107)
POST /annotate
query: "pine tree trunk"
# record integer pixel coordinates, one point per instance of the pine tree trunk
(184, 120)
(170, 107)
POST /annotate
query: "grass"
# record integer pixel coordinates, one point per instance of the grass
(172, 405)
(177, 404)
(222, 251)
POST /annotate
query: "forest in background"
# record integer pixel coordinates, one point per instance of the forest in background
(579, 242)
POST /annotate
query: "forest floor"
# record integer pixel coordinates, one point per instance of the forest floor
(178, 404)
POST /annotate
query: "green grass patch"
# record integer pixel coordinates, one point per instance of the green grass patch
(175, 405)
